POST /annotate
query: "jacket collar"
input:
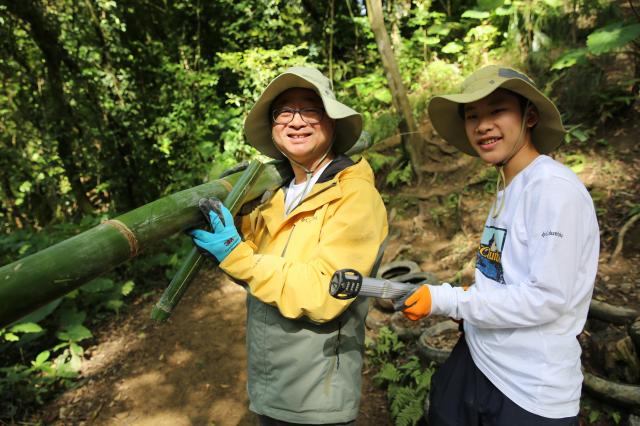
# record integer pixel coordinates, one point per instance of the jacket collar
(327, 189)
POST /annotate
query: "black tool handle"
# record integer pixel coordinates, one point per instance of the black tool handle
(345, 284)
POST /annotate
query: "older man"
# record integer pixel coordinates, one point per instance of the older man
(304, 347)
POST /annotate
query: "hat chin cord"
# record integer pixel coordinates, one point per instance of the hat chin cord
(497, 208)
(308, 172)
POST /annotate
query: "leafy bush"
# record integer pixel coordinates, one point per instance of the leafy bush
(407, 382)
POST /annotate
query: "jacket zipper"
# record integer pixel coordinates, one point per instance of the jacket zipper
(284, 250)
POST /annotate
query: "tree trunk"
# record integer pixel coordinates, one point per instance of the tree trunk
(408, 127)
(46, 35)
(618, 393)
(611, 313)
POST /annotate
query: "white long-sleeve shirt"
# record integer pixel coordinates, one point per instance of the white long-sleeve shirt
(535, 270)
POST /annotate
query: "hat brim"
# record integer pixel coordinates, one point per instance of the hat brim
(257, 125)
(546, 135)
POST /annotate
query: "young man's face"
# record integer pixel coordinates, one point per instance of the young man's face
(306, 137)
(493, 125)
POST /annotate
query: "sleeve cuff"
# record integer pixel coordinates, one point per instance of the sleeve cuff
(243, 250)
(444, 300)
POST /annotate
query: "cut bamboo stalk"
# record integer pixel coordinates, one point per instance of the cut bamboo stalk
(34, 281)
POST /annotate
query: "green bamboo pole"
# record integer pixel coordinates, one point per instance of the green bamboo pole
(34, 281)
(191, 264)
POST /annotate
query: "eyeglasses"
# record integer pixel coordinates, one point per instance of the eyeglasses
(308, 115)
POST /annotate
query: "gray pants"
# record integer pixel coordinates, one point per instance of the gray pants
(268, 421)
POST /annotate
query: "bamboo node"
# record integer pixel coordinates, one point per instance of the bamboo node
(128, 234)
(226, 184)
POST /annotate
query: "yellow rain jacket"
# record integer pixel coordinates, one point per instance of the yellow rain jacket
(305, 347)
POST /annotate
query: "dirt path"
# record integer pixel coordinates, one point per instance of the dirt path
(188, 371)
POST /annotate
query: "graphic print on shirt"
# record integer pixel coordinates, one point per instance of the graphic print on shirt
(489, 257)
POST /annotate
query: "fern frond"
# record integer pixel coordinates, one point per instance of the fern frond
(388, 373)
(410, 414)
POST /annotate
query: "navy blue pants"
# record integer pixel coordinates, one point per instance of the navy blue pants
(461, 395)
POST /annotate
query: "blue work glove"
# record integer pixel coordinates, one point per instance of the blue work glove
(224, 237)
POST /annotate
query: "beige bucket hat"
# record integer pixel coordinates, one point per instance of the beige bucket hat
(257, 125)
(546, 135)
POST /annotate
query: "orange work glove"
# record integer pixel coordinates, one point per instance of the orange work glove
(418, 303)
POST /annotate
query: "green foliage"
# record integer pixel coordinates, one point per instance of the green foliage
(575, 162)
(379, 161)
(399, 175)
(253, 69)
(407, 383)
(385, 346)
(579, 133)
(447, 211)
(612, 37)
(30, 385)
(597, 413)
(591, 59)
(27, 385)
(634, 209)
(570, 58)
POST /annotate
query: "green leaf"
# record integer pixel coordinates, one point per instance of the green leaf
(611, 37)
(98, 285)
(575, 162)
(490, 4)
(72, 294)
(43, 312)
(127, 288)
(10, 337)
(41, 358)
(475, 14)
(504, 11)
(27, 327)
(452, 47)
(114, 304)
(75, 363)
(65, 370)
(570, 58)
(388, 373)
(71, 316)
(581, 135)
(75, 333)
(432, 41)
(616, 417)
(383, 95)
(76, 349)
(25, 187)
(439, 29)
(553, 3)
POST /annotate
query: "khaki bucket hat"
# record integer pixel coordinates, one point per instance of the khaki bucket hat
(546, 135)
(257, 125)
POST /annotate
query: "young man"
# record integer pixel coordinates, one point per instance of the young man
(304, 347)
(518, 361)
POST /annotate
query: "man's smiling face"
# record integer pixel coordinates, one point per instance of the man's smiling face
(299, 140)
